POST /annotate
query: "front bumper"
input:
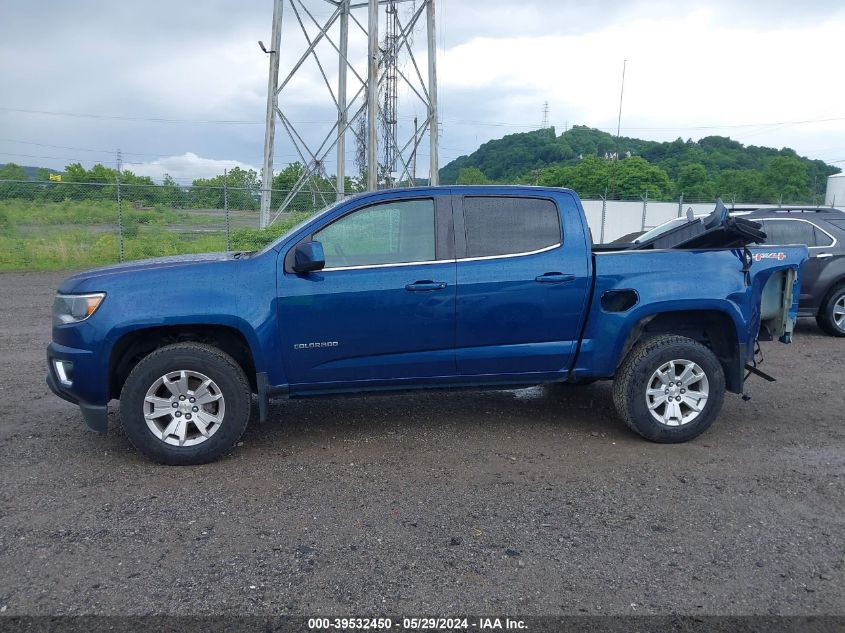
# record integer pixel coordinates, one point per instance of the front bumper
(95, 416)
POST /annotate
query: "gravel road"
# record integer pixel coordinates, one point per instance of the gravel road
(536, 501)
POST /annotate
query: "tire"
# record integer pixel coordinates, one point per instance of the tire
(833, 308)
(220, 406)
(637, 384)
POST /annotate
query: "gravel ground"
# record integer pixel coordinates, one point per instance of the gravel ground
(536, 501)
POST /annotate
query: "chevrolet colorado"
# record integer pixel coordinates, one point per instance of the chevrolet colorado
(487, 287)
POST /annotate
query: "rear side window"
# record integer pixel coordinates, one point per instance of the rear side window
(795, 232)
(839, 224)
(509, 226)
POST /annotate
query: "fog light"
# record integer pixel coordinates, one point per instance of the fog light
(64, 372)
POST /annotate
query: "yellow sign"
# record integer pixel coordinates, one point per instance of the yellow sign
(56, 177)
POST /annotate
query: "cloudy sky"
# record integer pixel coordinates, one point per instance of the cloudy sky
(180, 87)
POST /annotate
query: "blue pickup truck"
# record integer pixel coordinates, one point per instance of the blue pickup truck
(487, 287)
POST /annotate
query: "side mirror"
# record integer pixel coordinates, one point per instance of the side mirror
(308, 257)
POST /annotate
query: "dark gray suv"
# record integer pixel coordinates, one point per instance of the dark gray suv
(823, 275)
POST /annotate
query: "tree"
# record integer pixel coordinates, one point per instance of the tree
(745, 185)
(636, 177)
(472, 176)
(286, 179)
(519, 157)
(243, 190)
(589, 178)
(84, 184)
(786, 176)
(306, 199)
(693, 182)
(170, 193)
(12, 171)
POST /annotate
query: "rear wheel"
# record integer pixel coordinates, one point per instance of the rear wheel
(831, 317)
(669, 389)
(186, 403)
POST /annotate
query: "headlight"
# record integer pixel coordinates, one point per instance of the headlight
(75, 308)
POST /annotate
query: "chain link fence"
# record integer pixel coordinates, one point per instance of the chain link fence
(56, 225)
(76, 224)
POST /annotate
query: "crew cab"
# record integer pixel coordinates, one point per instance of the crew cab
(482, 286)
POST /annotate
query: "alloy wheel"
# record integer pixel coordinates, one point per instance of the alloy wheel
(184, 408)
(677, 392)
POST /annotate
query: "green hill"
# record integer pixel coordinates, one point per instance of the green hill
(582, 158)
(29, 172)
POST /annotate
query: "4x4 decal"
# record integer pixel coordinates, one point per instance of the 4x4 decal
(780, 256)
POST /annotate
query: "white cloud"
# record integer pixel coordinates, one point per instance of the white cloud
(184, 168)
(683, 72)
(700, 62)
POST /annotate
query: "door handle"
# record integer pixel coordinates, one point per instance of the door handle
(554, 278)
(425, 286)
(824, 255)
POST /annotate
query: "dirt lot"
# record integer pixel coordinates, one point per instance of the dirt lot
(524, 502)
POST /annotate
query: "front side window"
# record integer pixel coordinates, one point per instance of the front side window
(395, 232)
(509, 226)
(795, 232)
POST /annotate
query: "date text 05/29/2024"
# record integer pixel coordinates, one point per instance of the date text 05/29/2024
(420, 624)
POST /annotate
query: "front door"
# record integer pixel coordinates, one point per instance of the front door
(523, 279)
(383, 308)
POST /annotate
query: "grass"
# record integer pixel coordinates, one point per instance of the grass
(88, 212)
(61, 235)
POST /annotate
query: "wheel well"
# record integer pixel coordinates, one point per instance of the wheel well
(831, 289)
(135, 345)
(712, 328)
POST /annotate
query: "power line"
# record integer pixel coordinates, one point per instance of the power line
(115, 117)
(81, 115)
(110, 152)
(667, 128)
(33, 156)
(450, 121)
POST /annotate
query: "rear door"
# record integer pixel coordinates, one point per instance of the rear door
(383, 308)
(522, 284)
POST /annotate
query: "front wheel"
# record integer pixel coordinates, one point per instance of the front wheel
(186, 403)
(669, 389)
(831, 317)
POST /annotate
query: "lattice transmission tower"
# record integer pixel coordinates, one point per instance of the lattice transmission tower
(366, 101)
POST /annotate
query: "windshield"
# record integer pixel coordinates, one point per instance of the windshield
(660, 230)
(294, 229)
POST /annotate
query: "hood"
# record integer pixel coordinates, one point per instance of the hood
(73, 283)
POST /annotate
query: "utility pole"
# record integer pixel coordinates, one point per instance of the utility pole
(372, 97)
(433, 123)
(119, 206)
(618, 128)
(270, 116)
(342, 114)
(226, 207)
(413, 182)
(546, 115)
